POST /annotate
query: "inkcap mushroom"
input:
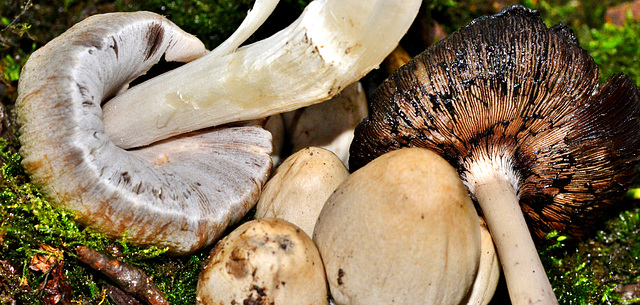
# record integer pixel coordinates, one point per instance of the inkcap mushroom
(179, 193)
(517, 108)
(265, 261)
(488, 274)
(400, 230)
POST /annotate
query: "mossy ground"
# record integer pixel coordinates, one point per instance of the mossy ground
(600, 270)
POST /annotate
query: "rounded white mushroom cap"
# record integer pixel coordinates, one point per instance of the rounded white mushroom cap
(180, 193)
(266, 261)
(400, 230)
(301, 185)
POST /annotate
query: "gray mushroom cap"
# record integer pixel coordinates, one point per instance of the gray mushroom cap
(180, 193)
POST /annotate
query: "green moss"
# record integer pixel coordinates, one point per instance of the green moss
(616, 49)
(593, 271)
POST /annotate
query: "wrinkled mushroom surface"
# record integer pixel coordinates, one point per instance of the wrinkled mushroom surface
(180, 193)
(266, 261)
(400, 230)
(301, 185)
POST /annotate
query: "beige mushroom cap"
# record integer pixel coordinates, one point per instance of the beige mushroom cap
(400, 230)
(266, 261)
(299, 188)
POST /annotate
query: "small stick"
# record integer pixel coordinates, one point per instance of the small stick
(127, 277)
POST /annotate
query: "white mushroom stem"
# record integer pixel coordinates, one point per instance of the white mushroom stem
(526, 279)
(331, 45)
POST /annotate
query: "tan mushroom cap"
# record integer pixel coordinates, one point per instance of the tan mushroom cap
(301, 185)
(266, 261)
(400, 230)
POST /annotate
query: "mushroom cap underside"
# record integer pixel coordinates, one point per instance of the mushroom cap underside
(508, 94)
(180, 193)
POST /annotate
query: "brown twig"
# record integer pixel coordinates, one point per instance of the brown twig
(127, 277)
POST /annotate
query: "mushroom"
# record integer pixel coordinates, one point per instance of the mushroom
(329, 124)
(180, 193)
(300, 186)
(400, 230)
(266, 261)
(518, 110)
(331, 45)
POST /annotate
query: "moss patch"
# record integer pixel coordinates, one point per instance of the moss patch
(601, 270)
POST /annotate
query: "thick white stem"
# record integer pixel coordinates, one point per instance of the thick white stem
(523, 270)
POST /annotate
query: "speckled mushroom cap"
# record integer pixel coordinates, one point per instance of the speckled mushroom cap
(180, 193)
(266, 261)
(509, 89)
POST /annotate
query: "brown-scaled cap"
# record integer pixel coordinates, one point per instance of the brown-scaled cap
(507, 99)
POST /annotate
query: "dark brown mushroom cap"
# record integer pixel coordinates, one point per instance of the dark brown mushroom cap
(509, 89)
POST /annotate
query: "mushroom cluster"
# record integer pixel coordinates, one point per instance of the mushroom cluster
(517, 108)
(164, 161)
(516, 119)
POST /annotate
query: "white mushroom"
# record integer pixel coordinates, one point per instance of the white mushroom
(400, 230)
(183, 192)
(179, 193)
(331, 45)
(266, 261)
(299, 188)
(329, 124)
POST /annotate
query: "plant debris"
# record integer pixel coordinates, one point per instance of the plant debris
(132, 280)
